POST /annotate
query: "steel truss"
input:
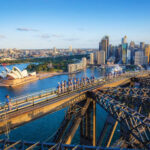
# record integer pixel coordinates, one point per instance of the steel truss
(144, 81)
(133, 122)
(25, 145)
(137, 98)
(140, 92)
(73, 111)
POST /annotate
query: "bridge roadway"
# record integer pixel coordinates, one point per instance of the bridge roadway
(24, 112)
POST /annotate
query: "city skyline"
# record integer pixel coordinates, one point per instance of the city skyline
(49, 23)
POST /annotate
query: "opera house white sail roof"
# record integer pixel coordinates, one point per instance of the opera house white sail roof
(15, 73)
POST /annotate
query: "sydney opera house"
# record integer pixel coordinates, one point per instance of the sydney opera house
(15, 77)
(15, 73)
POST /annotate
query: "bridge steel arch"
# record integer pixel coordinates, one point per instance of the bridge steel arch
(133, 122)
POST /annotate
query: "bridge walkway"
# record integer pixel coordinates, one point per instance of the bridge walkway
(41, 106)
(38, 98)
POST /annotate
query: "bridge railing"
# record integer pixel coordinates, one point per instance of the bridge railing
(39, 93)
(29, 97)
(17, 101)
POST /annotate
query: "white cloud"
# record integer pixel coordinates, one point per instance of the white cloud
(71, 39)
(2, 37)
(26, 29)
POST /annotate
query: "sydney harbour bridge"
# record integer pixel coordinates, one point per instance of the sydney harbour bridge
(126, 105)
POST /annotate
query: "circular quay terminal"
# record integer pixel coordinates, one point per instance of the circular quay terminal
(74, 75)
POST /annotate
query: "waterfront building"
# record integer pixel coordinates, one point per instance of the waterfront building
(84, 61)
(77, 66)
(101, 57)
(98, 57)
(15, 73)
(71, 68)
(111, 61)
(92, 58)
(147, 53)
(140, 58)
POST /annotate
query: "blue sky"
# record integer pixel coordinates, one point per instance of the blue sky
(80, 23)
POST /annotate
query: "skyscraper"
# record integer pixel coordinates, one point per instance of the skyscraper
(101, 57)
(147, 53)
(104, 45)
(124, 49)
(142, 45)
(128, 56)
(132, 44)
(124, 53)
(124, 40)
(92, 58)
(140, 59)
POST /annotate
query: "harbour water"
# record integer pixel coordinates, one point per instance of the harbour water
(43, 128)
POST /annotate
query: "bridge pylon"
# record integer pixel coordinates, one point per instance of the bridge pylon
(88, 125)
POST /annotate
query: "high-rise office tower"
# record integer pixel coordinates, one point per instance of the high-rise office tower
(112, 50)
(100, 46)
(124, 40)
(147, 53)
(132, 44)
(101, 57)
(124, 49)
(140, 58)
(92, 58)
(104, 45)
(124, 53)
(119, 53)
(142, 45)
(128, 56)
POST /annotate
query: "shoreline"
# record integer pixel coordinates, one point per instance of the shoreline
(49, 74)
(39, 76)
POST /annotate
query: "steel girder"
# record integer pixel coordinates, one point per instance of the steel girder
(137, 98)
(133, 122)
(141, 92)
(26, 145)
(144, 81)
